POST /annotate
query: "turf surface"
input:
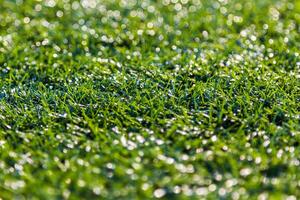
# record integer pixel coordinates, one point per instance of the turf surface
(129, 99)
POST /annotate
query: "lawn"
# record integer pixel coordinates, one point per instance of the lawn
(132, 99)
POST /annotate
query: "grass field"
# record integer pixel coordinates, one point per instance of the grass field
(132, 99)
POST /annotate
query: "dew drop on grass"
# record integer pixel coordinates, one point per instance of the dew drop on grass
(159, 193)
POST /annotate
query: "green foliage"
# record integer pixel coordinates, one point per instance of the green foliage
(129, 99)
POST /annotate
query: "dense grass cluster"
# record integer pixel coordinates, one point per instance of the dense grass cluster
(129, 99)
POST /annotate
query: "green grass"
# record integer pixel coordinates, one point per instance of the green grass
(129, 99)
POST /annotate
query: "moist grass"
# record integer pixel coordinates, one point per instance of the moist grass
(172, 99)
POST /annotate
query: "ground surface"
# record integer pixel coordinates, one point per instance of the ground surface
(178, 99)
